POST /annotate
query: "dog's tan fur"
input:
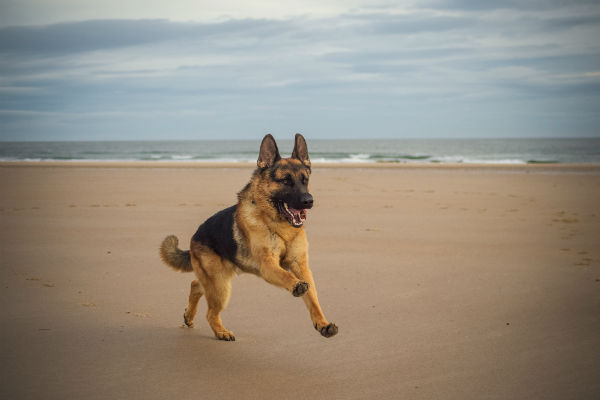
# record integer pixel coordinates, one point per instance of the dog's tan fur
(267, 245)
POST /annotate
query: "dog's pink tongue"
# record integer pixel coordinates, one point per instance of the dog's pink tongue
(299, 215)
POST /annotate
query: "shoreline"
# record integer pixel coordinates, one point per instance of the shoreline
(577, 167)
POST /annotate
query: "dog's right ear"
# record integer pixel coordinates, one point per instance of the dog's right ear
(269, 153)
(300, 150)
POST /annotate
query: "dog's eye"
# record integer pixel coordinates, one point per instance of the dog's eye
(304, 180)
(288, 181)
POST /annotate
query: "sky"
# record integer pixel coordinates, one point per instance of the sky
(186, 70)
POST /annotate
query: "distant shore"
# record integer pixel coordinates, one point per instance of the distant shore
(316, 165)
(345, 151)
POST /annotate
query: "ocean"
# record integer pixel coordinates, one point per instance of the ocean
(450, 151)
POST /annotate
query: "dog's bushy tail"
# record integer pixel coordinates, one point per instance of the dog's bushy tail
(174, 257)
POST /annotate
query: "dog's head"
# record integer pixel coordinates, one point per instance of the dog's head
(285, 180)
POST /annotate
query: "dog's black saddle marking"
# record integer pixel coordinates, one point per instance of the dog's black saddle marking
(217, 233)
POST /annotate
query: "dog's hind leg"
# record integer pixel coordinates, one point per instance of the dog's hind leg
(196, 291)
(217, 297)
(215, 277)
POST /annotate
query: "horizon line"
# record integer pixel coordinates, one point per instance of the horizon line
(308, 138)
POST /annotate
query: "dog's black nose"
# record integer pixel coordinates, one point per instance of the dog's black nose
(307, 200)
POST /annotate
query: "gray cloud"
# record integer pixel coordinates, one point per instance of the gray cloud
(86, 36)
(412, 24)
(424, 72)
(112, 34)
(572, 22)
(529, 5)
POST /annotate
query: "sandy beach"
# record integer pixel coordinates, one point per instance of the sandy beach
(446, 282)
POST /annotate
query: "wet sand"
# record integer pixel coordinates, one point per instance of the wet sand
(448, 282)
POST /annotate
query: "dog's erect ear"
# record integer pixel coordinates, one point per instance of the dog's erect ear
(300, 150)
(269, 153)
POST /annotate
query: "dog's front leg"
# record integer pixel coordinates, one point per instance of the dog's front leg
(299, 266)
(271, 271)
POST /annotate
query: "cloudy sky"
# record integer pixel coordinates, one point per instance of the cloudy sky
(146, 69)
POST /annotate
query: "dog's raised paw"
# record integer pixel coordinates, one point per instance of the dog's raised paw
(300, 288)
(328, 330)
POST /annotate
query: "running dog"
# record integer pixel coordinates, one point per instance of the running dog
(263, 234)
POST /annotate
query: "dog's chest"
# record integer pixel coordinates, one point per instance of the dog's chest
(248, 260)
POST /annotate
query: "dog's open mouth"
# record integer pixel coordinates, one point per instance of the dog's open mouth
(294, 216)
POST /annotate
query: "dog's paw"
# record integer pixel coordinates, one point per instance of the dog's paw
(186, 321)
(225, 335)
(327, 330)
(300, 288)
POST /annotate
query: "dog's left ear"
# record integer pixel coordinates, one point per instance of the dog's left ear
(269, 153)
(300, 150)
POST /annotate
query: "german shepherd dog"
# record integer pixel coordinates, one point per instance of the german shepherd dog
(263, 235)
